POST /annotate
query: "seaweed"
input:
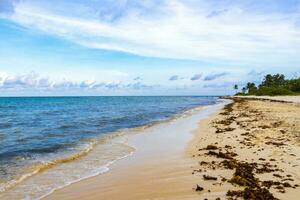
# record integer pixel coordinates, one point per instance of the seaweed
(207, 177)
(211, 147)
(275, 143)
(199, 188)
(220, 154)
(244, 175)
(252, 194)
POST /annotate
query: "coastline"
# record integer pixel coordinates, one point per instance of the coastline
(159, 169)
(175, 174)
(101, 152)
(171, 159)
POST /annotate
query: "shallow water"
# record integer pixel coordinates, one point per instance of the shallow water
(37, 134)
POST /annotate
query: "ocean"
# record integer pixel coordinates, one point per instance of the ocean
(41, 136)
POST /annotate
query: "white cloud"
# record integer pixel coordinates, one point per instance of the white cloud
(177, 29)
(24, 81)
(255, 73)
(137, 78)
(174, 78)
(34, 81)
(227, 85)
(196, 77)
(211, 77)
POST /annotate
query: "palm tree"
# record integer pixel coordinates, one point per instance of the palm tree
(236, 87)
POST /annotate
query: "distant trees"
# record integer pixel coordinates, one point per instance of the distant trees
(273, 85)
(294, 85)
(273, 80)
(251, 87)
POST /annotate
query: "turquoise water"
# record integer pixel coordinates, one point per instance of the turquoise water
(36, 130)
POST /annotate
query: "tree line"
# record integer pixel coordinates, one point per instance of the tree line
(272, 85)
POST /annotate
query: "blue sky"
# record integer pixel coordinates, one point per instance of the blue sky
(150, 47)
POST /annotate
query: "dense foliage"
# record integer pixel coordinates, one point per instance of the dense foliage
(272, 85)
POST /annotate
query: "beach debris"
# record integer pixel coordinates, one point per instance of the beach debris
(227, 109)
(277, 175)
(227, 129)
(207, 177)
(275, 143)
(197, 170)
(264, 126)
(254, 128)
(286, 184)
(252, 193)
(244, 175)
(269, 184)
(220, 154)
(199, 188)
(211, 147)
(282, 131)
(223, 179)
(203, 163)
(228, 147)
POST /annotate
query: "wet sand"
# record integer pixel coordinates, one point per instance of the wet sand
(248, 149)
(159, 169)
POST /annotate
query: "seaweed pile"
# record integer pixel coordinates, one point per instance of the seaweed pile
(245, 174)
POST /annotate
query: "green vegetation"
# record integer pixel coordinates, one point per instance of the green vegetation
(272, 85)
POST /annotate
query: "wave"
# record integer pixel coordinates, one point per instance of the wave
(102, 169)
(44, 166)
(39, 167)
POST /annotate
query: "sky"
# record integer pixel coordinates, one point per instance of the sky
(144, 47)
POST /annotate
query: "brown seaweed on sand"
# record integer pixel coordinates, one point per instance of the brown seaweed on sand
(220, 154)
(253, 125)
(207, 177)
(252, 193)
(199, 188)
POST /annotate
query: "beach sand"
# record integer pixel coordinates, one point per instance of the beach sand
(251, 142)
(159, 169)
(260, 137)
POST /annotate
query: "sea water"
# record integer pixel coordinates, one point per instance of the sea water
(42, 139)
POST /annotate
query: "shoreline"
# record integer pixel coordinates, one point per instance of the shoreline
(248, 135)
(161, 164)
(199, 154)
(120, 138)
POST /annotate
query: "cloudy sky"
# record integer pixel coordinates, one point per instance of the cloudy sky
(144, 47)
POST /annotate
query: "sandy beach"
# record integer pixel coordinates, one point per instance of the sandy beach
(149, 100)
(248, 149)
(252, 150)
(159, 169)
